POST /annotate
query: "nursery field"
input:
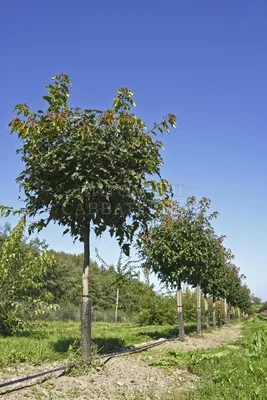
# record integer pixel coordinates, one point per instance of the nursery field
(226, 363)
(58, 340)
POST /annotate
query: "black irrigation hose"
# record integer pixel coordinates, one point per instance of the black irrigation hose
(108, 356)
(136, 349)
(36, 375)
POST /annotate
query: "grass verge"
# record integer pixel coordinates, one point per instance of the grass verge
(237, 371)
(53, 341)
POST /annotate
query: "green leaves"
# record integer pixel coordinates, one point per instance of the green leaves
(22, 268)
(72, 156)
(183, 245)
(48, 99)
(62, 78)
(6, 211)
(123, 100)
(126, 249)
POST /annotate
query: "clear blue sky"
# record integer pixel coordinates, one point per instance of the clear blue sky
(205, 61)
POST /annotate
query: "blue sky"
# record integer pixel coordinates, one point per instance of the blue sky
(204, 61)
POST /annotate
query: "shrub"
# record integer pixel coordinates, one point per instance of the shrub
(22, 269)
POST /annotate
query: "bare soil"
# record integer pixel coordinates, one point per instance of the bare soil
(214, 338)
(121, 378)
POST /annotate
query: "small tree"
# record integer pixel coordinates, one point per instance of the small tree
(213, 282)
(87, 169)
(22, 286)
(124, 272)
(181, 247)
(160, 249)
(204, 254)
(238, 294)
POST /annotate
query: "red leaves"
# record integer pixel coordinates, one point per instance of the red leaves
(109, 117)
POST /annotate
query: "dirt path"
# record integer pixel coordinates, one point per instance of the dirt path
(212, 339)
(122, 378)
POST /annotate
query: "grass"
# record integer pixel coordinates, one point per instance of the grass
(237, 371)
(230, 372)
(53, 341)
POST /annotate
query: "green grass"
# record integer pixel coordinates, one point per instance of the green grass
(236, 372)
(230, 372)
(52, 341)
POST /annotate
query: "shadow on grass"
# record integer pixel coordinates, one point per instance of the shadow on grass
(109, 345)
(64, 344)
(170, 332)
(34, 334)
(103, 345)
(106, 345)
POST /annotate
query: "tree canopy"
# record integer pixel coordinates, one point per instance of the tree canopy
(182, 246)
(86, 165)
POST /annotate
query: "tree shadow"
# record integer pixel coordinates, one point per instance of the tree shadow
(34, 334)
(171, 332)
(190, 328)
(109, 345)
(168, 333)
(104, 345)
(63, 345)
(101, 345)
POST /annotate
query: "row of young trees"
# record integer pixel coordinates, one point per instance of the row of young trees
(182, 246)
(90, 170)
(37, 283)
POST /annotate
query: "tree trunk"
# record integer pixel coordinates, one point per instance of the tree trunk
(198, 309)
(214, 313)
(238, 313)
(86, 306)
(219, 313)
(225, 311)
(180, 311)
(117, 305)
(207, 314)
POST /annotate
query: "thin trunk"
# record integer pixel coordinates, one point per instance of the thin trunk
(86, 306)
(198, 309)
(238, 313)
(180, 311)
(207, 313)
(225, 311)
(214, 313)
(117, 305)
(219, 313)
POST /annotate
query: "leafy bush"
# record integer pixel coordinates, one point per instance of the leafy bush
(22, 269)
(157, 310)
